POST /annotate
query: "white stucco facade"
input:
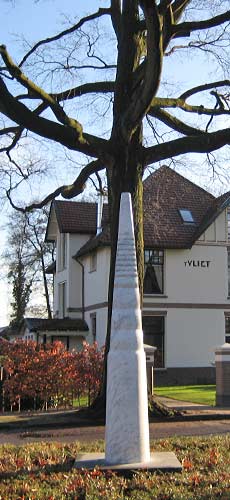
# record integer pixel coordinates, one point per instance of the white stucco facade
(96, 293)
(185, 319)
(193, 303)
(96, 282)
(195, 299)
(71, 274)
(199, 274)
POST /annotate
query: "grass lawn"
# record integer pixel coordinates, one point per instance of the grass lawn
(44, 471)
(204, 394)
(83, 401)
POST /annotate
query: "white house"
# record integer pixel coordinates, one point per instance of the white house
(186, 307)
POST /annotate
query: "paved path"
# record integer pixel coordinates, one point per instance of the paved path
(87, 434)
(195, 408)
(208, 420)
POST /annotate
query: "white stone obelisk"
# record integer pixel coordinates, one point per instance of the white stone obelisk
(127, 426)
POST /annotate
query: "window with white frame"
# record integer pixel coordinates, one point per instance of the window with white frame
(93, 261)
(62, 299)
(154, 333)
(154, 271)
(62, 251)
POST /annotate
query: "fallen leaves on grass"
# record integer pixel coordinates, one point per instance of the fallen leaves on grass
(187, 464)
(44, 471)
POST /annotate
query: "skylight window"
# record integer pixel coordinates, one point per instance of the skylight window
(186, 216)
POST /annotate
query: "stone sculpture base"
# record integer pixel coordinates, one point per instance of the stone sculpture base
(159, 461)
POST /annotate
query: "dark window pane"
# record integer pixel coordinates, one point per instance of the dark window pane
(62, 299)
(228, 272)
(94, 326)
(154, 267)
(227, 329)
(153, 330)
(227, 325)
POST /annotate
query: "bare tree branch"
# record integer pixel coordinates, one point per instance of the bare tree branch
(15, 139)
(204, 143)
(116, 16)
(173, 122)
(66, 191)
(66, 135)
(141, 99)
(9, 130)
(184, 29)
(202, 45)
(179, 7)
(58, 111)
(87, 88)
(202, 88)
(105, 87)
(134, 89)
(17, 131)
(164, 102)
(99, 13)
(69, 67)
(171, 13)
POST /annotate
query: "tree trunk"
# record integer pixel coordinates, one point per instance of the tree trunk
(126, 177)
(49, 313)
(126, 173)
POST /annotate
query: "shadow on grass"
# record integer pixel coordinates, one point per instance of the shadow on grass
(77, 418)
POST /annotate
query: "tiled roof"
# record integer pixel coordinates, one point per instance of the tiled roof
(100, 240)
(165, 193)
(217, 207)
(78, 217)
(40, 324)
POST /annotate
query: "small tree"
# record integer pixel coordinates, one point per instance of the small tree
(42, 251)
(89, 367)
(19, 261)
(27, 256)
(21, 291)
(48, 372)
